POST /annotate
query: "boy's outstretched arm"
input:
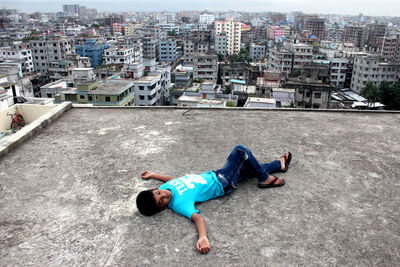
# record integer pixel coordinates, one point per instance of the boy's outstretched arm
(160, 177)
(202, 245)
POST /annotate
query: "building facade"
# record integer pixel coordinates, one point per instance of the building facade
(124, 54)
(45, 51)
(369, 68)
(205, 67)
(92, 48)
(153, 89)
(315, 26)
(233, 32)
(168, 50)
(257, 52)
(18, 53)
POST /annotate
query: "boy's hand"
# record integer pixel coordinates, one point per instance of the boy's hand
(147, 175)
(203, 246)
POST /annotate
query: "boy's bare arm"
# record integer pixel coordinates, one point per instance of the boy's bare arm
(160, 177)
(202, 245)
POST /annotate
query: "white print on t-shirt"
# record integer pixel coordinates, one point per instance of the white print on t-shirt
(180, 183)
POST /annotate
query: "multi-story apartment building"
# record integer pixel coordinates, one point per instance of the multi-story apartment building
(18, 53)
(369, 68)
(113, 19)
(338, 70)
(232, 29)
(196, 41)
(206, 19)
(275, 31)
(313, 87)
(220, 44)
(280, 60)
(71, 10)
(128, 29)
(315, 26)
(170, 28)
(375, 31)
(389, 48)
(302, 54)
(168, 50)
(61, 69)
(92, 48)
(151, 46)
(232, 71)
(124, 54)
(205, 67)
(257, 51)
(153, 89)
(356, 34)
(45, 51)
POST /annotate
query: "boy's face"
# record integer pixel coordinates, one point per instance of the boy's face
(162, 198)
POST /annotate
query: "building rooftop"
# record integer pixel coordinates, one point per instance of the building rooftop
(112, 86)
(67, 194)
(56, 84)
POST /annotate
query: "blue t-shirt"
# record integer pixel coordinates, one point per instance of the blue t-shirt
(190, 189)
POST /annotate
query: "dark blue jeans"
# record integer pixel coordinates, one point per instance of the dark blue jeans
(241, 164)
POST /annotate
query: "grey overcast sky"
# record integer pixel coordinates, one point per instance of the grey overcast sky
(351, 7)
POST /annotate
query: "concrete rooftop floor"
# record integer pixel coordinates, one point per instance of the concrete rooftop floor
(67, 195)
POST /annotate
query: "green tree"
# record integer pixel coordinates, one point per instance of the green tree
(230, 104)
(371, 93)
(227, 89)
(220, 57)
(390, 95)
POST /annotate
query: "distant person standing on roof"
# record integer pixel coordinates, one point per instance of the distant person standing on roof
(181, 194)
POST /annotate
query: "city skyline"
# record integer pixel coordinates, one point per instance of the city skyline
(354, 7)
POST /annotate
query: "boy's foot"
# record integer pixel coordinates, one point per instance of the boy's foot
(272, 181)
(285, 161)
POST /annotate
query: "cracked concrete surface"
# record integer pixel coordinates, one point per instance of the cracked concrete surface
(67, 195)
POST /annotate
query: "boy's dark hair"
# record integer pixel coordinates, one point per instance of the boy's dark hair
(146, 203)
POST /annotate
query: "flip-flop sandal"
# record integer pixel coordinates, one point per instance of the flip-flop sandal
(272, 184)
(287, 161)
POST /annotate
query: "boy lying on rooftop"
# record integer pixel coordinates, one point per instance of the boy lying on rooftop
(181, 194)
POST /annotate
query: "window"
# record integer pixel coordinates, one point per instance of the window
(49, 95)
(90, 98)
(317, 95)
(141, 87)
(82, 97)
(141, 97)
(108, 99)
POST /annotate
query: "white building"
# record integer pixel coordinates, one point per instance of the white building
(153, 90)
(52, 89)
(206, 19)
(280, 60)
(368, 68)
(125, 54)
(233, 32)
(302, 54)
(81, 75)
(284, 97)
(18, 53)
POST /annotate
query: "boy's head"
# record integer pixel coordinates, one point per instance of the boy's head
(152, 201)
